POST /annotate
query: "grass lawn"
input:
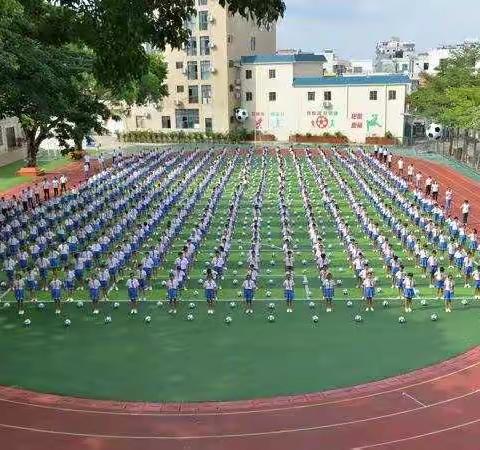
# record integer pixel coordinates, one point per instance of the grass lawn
(10, 179)
(172, 359)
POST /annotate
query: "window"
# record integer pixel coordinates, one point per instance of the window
(204, 45)
(192, 94)
(373, 95)
(208, 124)
(187, 118)
(248, 96)
(404, 67)
(166, 122)
(358, 69)
(203, 20)
(392, 95)
(426, 66)
(140, 121)
(192, 70)
(248, 74)
(253, 44)
(311, 96)
(180, 89)
(327, 96)
(191, 46)
(272, 96)
(190, 23)
(202, 2)
(205, 70)
(179, 64)
(229, 39)
(206, 93)
(272, 73)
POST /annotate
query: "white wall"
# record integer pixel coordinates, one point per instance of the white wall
(351, 111)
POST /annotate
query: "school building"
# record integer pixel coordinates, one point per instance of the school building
(289, 94)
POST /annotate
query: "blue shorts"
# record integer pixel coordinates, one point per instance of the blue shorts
(133, 294)
(143, 283)
(433, 269)
(64, 257)
(9, 274)
(20, 295)
(459, 262)
(42, 272)
(328, 293)
(104, 284)
(442, 246)
(448, 296)
(219, 271)
(409, 293)
(369, 292)
(69, 284)
(248, 294)
(289, 295)
(468, 270)
(55, 294)
(439, 284)
(94, 294)
(32, 285)
(209, 294)
(172, 294)
(78, 274)
(423, 263)
(23, 263)
(399, 284)
(54, 263)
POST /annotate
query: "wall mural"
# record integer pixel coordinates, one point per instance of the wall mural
(276, 120)
(373, 122)
(322, 119)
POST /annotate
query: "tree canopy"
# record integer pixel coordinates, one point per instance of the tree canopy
(64, 61)
(452, 96)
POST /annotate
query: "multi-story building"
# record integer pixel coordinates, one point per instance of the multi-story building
(289, 94)
(11, 134)
(394, 56)
(204, 77)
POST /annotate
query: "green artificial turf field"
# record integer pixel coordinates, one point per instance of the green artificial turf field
(172, 359)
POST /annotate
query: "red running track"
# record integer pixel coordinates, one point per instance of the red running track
(435, 406)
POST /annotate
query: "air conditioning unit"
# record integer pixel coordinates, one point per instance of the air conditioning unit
(185, 70)
(206, 101)
(178, 102)
(213, 69)
(211, 18)
(212, 45)
(327, 104)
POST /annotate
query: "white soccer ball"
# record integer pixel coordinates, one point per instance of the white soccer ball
(424, 302)
(271, 305)
(240, 263)
(345, 292)
(402, 319)
(116, 305)
(27, 322)
(67, 322)
(434, 131)
(235, 282)
(6, 305)
(339, 282)
(41, 305)
(349, 303)
(464, 302)
(268, 294)
(233, 304)
(272, 262)
(304, 262)
(108, 319)
(191, 305)
(315, 319)
(235, 272)
(270, 282)
(228, 320)
(241, 115)
(79, 304)
(190, 317)
(358, 318)
(239, 293)
(271, 318)
(164, 283)
(196, 293)
(200, 281)
(433, 317)
(148, 319)
(311, 304)
(385, 304)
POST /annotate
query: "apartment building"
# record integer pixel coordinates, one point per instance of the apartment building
(204, 77)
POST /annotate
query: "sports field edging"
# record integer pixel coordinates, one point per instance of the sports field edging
(425, 375)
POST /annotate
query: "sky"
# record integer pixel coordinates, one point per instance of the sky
(352, 27)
